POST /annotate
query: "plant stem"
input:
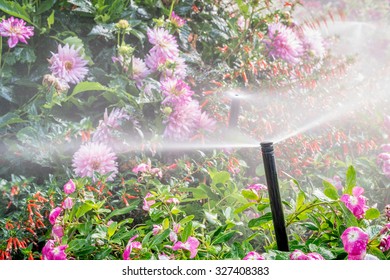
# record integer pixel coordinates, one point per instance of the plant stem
(171, 9)
(308, 207)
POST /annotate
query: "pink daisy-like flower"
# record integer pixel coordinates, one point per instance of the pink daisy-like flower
(95, 157)
(112, 122)
(183, 121)
(176, 91)
(52, 252)
(313, 43)
(16, 30)
(176, 20)
(69, 187)
(283, 43)
(130, 246)
(148, 202)
(190, 245)
(205, 123)
(68, 65)
(356, 203)
(140, 71)
(164, 43)
(355, 243)
(54, 215)
(253, 256)
(68, 203)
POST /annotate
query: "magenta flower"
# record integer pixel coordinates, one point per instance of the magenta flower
(140, 71)
(205, 123)
(299, 255)
(68, 203)
(107, 127)
(95, 157)
(157, 229)
(50, 252)
(176, 92)
(16, 30)
(130, 246)
(355, 243)
(176, 20)
(57, 232)
(283, 43)
(315, 256)
(253, 256)
(387, 212)
(385, 244)
(173, 200)
(54, 215)
(183, 121)
(356, 203)
(69, 187)
(148, 202)
(68, 65)
(383, 159)
(190, 245)
(143, 167)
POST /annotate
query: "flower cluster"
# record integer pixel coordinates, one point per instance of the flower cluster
(253, 256)
(131, 245)
(16, 30)
(355, 202)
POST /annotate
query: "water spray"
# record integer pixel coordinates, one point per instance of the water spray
(267, 150)
(234, 111)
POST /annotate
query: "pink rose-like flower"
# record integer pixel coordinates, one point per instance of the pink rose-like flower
(315, 256)
(68, 203)
(190, 245)
(355, 242)
(385, 244)
(95, 157)
(147, 202)
(253, 256)
(16, 30)
(51, 252)
(68, 65)
(54, 215)
(298, 255)
(356, 203)
(69, 187)
(130, 246)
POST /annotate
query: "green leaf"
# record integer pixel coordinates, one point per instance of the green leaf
(254, 223)
(300, 200)
(221, 177)
(350, 180)
(244, 207)
(186, 219)
(377, 253)
(83, 209)
(349, 218)
(45, 6)
(186, 232)
(158, 239)
(87, 86)
(13, 8)
(77, 244)
(372, 214)
(9, 118)
(50, 19)
(133, 205)
(249, 194)
(223, 238)
(103, 254)
(330, 191)
(7, 94)
(111, 229)
(374, 230)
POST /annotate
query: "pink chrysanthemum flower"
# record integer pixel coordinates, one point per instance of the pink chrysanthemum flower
(140, 71)
(356, 202)
(95, 157)
(283, 43)
(51, 252)
(253, 256)
(16, 30)
(206, 123)
(54, 215)
(104, 133)
(68, 65)
(191, 245)
(130, 246)
(69, 187)
(313, 43)
(183, 121)
(176, 92)
(165, 44)
(176, 20)
(355, 243)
